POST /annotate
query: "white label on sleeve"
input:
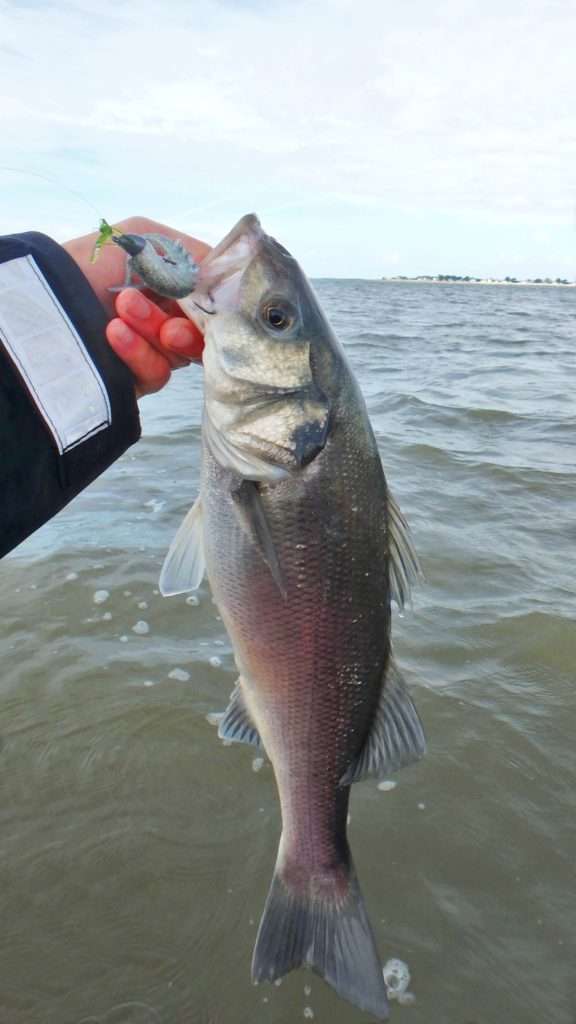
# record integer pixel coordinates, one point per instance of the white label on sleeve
(46, 348)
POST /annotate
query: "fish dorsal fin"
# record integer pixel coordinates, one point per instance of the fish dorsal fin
(236, 724)
(396, 737)
(405, 568)
(185, 565)
(250, 511)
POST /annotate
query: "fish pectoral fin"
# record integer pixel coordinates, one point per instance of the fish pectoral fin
(185, 564)
(396, 738)
(405, 568)
(252, 516)
(236, 724)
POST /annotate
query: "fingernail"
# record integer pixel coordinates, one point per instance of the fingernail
(138, 307)
(181, 340)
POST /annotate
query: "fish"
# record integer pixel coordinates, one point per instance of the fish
(305, 550)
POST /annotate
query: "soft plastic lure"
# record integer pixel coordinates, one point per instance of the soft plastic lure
(162, 264)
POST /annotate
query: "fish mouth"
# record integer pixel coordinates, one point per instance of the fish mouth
(221, 271)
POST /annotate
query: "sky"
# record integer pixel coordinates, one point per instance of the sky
(371, 137)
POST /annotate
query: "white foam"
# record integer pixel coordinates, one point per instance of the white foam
(72, 576)
(397, 978)
(100, 596)
(193, 601)
(215, 661)
(386, 785)
(180, 674)
(257, 764)
(141, 628)
(142, 604)
(107, 617)
(309, 1013)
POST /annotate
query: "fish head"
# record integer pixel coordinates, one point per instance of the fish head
(132, 244)
(264, 334)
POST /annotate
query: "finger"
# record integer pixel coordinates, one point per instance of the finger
(144, 316)
(182, 338)
(151, 370)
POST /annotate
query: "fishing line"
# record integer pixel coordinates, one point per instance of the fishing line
(53, 181)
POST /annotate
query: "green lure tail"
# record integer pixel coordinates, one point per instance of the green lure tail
(106, 234)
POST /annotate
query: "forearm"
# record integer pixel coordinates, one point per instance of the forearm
(67, 403)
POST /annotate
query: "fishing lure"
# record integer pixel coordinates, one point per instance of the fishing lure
(161, 263)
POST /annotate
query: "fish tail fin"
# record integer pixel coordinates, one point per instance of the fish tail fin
(322, 923)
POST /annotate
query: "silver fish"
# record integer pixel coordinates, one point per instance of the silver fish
(304, 549)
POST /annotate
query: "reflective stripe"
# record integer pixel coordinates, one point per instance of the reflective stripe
(46, 348)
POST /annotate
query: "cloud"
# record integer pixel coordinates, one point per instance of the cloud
(451, 111)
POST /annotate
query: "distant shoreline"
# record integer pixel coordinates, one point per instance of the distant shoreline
(479, 281)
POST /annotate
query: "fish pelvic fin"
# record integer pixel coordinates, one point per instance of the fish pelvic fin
(396, 737)
(185, 564)
(322, 924)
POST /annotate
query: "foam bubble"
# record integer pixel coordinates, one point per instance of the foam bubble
(396, 978)
(257, 764)
(386, 785)
(142, 604)
(192, 600)
(72, 576)
(141, 628)
(107, 617)
(100, 596)
(180, 674)
(215, 661)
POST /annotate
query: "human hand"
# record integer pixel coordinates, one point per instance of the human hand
(152, 339)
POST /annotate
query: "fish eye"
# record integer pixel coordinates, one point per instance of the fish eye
(280, 316)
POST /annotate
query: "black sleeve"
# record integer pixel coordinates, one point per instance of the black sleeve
(41, 470)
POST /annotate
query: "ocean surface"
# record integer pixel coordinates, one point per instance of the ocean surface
(136, 850)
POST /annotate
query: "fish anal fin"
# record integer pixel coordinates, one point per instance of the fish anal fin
(396, 737)
(250, 511)
(236, 724)
(185, 564)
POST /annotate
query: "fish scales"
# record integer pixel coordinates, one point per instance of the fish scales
(304, 549)
(307, 663)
